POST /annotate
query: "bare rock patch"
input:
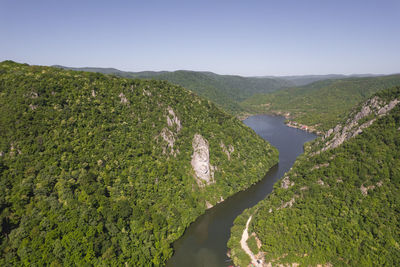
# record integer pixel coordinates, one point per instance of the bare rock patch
(352, 127)
(204, 171)
(173, 120)
(227, 150)
(286, 183)
(123, 98)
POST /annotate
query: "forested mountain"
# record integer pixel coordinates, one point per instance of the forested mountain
(300, 80)
(322, 104)
(278, 94)
(339, 204)
(101, 170)
(224, 90)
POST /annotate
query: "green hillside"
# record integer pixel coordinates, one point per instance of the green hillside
(321, 104)
(301, 80)
(98, 170)
(236, 87)
(339, 204)
(224, 90)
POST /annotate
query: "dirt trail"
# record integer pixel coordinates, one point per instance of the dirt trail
(245, 247)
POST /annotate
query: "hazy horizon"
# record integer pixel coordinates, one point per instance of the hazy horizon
(253, 38)
(254, 76)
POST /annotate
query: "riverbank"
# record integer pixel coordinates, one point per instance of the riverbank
(243, 247)
(310, 129)
(288, 122)
(243, 243)
(204, 243)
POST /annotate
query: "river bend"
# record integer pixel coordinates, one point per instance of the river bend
(205, 241)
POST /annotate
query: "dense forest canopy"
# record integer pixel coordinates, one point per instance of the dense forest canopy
(322, 104)
(339, 204)
(96, 169)
(314, 100)
(224, 90)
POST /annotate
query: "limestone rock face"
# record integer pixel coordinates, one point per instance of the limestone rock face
(227, 150)
(388, 107)
(173, 120)
(170, 134)
(169, 137)
(201, 161)
(352, 128)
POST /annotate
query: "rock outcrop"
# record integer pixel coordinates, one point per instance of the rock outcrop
(227, 150)
(352, 127)
(316, 167)
(168, 137)
(146, 92)
(364, 189)
(208, 205)
(286, 183)
(169, 134)
(173, 120)
(288, 204)
(33, 107)
(204, 171)
(123, 98)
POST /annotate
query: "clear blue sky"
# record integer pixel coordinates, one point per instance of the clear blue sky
(228, 37)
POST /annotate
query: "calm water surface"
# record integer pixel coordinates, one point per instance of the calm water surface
(204, 242)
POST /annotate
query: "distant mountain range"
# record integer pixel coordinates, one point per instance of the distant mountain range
(321, 104)
(300, 80)
(224, 90)
(232, 92)
(102, 170)
(339, 203)
(292, 80)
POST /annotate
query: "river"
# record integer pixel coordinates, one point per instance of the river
(205, 241)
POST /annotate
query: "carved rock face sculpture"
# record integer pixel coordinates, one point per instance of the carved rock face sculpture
(201, 160)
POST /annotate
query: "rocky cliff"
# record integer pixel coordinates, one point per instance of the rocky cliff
(101, 170)
(338, 205)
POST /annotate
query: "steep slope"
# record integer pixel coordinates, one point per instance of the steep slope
(339, 204)
(224, 90)
(100, 170)
(321, 104)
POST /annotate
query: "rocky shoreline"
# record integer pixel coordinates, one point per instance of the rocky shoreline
(303, 127)
(289, 123)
